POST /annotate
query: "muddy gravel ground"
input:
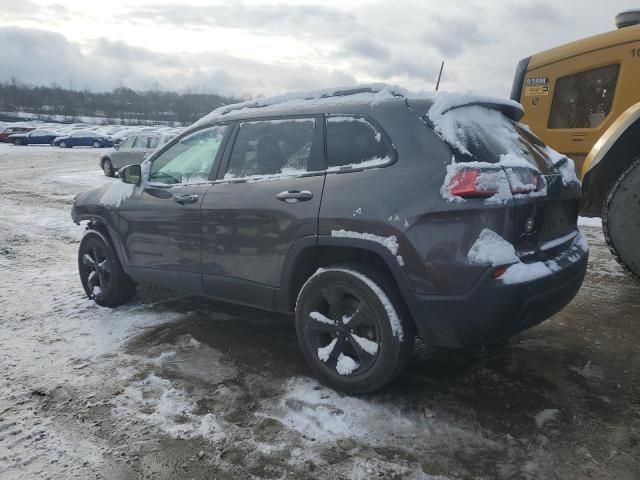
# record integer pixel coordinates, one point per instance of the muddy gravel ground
(173, 386)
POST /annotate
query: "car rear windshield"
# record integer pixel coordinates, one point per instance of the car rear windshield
(481, 134)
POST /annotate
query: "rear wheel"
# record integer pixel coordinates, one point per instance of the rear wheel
(63, 144)
(352, 328)
(101, 275)
(96, 144)
(621, 219)
(107, 168)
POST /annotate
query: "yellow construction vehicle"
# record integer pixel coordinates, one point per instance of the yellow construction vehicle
(583, 99)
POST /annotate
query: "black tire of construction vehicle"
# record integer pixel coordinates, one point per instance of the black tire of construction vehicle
(621, 219)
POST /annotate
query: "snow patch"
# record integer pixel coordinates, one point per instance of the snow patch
(390, 243)
(525, 272)
(346, 365)
(318, 317)
(325, 415)
(590, 222)
(298, 100)
(156, 401)
(565, 165)
(117, 193)
(545, 416)
(367, 345)
(325, 352)
(372, 162)
(492, 248)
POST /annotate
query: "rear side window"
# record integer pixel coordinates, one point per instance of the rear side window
(153, 142)
(354, 142)
(583, 100)
(272, 147)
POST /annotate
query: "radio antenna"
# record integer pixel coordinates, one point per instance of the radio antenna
(440, 75)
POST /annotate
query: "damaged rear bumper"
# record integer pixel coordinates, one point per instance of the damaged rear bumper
(494, 310)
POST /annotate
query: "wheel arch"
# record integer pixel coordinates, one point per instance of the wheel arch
(609, 158)
(311, 253)
(98, 225)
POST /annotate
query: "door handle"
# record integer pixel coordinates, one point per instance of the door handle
(293, 196)
(182, 199)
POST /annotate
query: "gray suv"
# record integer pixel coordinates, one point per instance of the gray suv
(370, 216)
(132, 150)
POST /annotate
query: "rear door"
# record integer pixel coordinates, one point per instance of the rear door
(160, 224)
(267, 197)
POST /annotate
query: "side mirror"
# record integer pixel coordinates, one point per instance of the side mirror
(130, 174)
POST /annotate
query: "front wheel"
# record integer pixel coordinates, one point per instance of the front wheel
(101, 275)
(107, 168)
(63, 144)
(620, 219)
(352, 328)
(96, 144)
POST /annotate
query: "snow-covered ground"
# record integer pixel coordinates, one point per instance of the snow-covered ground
(171, 386)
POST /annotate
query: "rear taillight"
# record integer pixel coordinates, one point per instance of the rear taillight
(465, 184)
(487, 181)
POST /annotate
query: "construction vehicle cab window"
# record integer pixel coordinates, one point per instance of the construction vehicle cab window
(583, 100)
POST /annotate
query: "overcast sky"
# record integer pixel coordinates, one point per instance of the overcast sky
(255, 47)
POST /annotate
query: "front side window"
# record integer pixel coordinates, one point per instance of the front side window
(354, 142)
(153, 142)
(190, 159)
(128, 142)
(272, 147)
(141, 142)
(583, 100)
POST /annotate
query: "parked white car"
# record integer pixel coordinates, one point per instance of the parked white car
(132, 150)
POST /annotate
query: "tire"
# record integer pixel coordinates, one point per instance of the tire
(621, 219)
(101, 275)
(63, 144)
(371, 348)
(96, 144)
(16, 142)
(107, 168)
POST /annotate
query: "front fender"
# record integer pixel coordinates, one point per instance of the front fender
(88, 207)
(610, 137)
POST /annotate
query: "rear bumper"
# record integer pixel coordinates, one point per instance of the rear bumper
(494, 310)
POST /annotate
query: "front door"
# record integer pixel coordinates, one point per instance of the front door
(122, 156)
(267, 197)
(160, 224)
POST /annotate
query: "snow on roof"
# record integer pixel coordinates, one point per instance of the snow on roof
(329, 96)
(372, 93)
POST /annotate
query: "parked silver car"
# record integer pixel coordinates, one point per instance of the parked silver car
(132, 150)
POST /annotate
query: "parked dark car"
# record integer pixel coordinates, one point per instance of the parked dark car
(34, 137)
(369, 216)
(4, 135)
(132, 150)
(83, 138)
